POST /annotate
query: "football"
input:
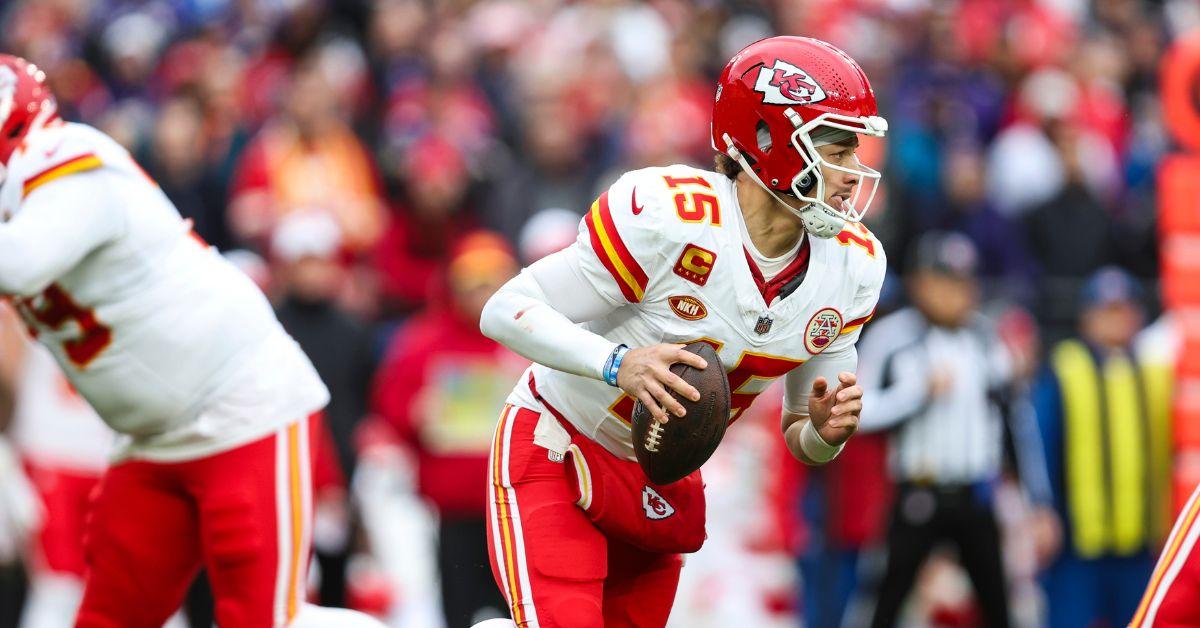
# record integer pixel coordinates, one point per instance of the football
(669, 452)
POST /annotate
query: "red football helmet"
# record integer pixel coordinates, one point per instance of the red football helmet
(25, 102)
(772, 99)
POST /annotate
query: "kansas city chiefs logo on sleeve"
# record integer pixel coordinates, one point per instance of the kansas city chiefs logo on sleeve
(786, 84)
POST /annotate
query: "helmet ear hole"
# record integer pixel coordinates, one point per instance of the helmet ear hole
(806, 183)
(762, 132)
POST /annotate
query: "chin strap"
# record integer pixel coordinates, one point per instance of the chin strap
(818, 221)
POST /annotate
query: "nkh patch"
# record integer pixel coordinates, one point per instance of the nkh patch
(655, 506)
(823, 328)
(687, 307)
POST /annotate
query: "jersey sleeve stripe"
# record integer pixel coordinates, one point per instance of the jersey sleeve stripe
(82, 163)
(611, 250)
(856, 323)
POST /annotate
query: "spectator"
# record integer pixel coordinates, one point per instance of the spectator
(1065, 262)
(426, 228)
(308, 158)
(438, 390)
(1006, 269)
(1105, 456)
(305, 247)
(929, 374)
(546, 232)
(176, 161)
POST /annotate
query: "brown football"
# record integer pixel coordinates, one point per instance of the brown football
(669, 452)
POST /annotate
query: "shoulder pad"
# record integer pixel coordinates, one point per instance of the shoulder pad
(685, 201)
(53, 153)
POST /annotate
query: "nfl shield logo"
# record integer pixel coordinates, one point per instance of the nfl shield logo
(764, 325)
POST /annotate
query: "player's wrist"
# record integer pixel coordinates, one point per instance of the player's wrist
(613, 364)
(815, 447)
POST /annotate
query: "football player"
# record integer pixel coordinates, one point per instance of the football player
(765, 259)
(1172, 597)
(178, 352)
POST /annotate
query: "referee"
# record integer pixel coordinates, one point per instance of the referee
(931, 375)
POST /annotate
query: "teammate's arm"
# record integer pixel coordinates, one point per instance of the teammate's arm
(58, 224)
(818, 418)
(536, 314)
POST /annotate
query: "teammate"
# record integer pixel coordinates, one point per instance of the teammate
(1172, 596)
(179, 353)
(765, 259)
(64, 447)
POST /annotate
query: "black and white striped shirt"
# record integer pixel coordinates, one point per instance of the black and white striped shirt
(956, 437)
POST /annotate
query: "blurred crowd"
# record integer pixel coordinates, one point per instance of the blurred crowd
(380, 167)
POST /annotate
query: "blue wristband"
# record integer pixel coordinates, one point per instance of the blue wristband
(613, 364)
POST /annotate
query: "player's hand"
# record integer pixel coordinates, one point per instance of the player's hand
(941, 380)
(834, 412)
(645, 375)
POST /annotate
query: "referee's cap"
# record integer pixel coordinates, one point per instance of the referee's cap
(945, 252)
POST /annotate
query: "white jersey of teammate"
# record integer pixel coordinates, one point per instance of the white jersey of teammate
(52, 425)
(172, 345)
(666, 247)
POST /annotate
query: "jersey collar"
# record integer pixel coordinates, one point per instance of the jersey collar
(790, 277)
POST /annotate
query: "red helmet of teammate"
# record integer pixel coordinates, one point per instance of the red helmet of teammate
(777, 101)
(25, 102)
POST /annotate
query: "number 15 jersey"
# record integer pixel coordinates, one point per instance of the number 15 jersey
(665, 247)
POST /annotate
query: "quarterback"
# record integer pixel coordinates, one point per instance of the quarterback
(180, 354)
(765, 259)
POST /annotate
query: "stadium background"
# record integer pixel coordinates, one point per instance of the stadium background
(375, 139)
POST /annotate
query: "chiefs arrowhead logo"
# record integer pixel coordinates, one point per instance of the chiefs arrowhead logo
(823, 329)
(786, 84)
(637, 209)
(655, 506)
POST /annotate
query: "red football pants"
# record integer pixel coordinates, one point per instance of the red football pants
(1173, 596)
(245, 514)
(555, 568)
(65, 495)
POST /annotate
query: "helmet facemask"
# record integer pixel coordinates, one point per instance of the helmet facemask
(808, 185)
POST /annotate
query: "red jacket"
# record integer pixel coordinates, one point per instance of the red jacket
(441, 388)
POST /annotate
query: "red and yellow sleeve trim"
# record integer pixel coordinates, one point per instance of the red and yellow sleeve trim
(856, 323)
(611, 250)
(82, 163)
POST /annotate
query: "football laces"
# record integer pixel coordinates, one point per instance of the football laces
(654, 436)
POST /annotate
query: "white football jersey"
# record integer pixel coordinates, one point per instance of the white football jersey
(666, 246)
(52, 425)
(172, 345)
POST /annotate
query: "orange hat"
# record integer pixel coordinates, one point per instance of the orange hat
(481, 255)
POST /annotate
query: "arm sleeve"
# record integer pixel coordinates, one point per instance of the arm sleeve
(536, 314)
(841, 354)
(1028, 450)
(1047, 406)
(59, 223)
(798, 382)
(884, 407)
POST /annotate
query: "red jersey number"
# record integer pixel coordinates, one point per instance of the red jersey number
(53, 309)
(750, 366)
